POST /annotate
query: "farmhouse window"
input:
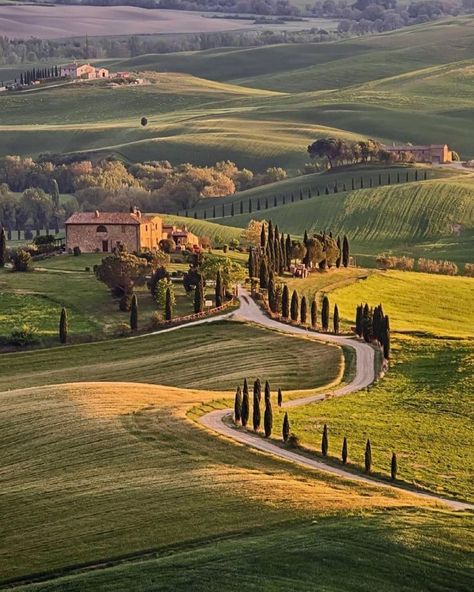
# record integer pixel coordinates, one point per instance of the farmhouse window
(101, 228)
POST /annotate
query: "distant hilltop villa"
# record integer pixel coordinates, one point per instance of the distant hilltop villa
(84, 71)
(433, 153)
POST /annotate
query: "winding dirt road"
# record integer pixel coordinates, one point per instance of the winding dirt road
(365, 375)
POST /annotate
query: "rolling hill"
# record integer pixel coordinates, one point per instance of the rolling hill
(407, 85)
(433, 218)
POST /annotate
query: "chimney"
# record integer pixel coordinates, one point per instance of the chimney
(96, 213)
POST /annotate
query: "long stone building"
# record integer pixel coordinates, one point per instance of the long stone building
(103, 231)
(433, 153)
(98, 231)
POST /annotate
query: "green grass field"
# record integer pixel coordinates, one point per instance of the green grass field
(425, 394)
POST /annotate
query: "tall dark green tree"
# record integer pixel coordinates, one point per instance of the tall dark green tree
(245, 413)
(386, 338)
(367, 324)
(285, 302)
(294, 309)
(368, 457)
(344, 451)
(394, 467)
(262, 237)
(267, 391)
(280, 397)
(199, 296)
(286, 428)
(314, 314)
(325, 314)
(251, 263)
(63, 326)
(345, 251)
(256, 408)
(324, 441)
(264, 276)
(303, 311)
(238, 405)
(3, 248)
(168, 305)
(134, 313)
(339, 257)
(268, 418)
(219, 289)
(272, 296)
(359, 320)
(335, 319)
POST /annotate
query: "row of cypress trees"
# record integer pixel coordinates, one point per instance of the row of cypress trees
(34, 74)
(265, 203)
(373, 326)
(242, 406)
(367, 454)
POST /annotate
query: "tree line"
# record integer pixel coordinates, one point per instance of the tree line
(29, 76)
(372, 325)
(251, 205)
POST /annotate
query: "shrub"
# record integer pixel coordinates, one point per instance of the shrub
(76, 251)
(21, 260)
(156, 320)
(125, 303)
(469, 269)
(24, 335)
(122, 330)
(293, 441)
(433, 266)
(392, 262)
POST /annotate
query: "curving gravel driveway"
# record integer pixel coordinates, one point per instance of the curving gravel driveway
(365, 375)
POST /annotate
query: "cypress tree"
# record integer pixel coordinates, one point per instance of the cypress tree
(267, 391)
(244, 415)
(345, 251)
(303, 311)
(266, 203)
(241, 207)
(238, 405)
(268, 418)
(367, 323)
(294, 306)
(3, 248)
(335, 319)
(256, 405)
(280, 397)
(251, 263)
(250, 206)
(275, 201)
(199, 296)
(63, 326)
(134, 314)
(286, 428)
(288, 250)
(219, 289)
(353, 184)
(314, 314)
(325, 314)
(301, 195)
(394, 467)
(339, 257)
(309, 193)
(258, 204)
(285, 302)
(292, 198)
(324, 441)
(232, 209)
(368, 457)
(359, 320)
(168, 305)
(223, 210)
(272, 300)
(264, 277)
(262, 237)
(344, 451)
(386, 338)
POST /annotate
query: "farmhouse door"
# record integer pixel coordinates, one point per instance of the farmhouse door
(105, 246)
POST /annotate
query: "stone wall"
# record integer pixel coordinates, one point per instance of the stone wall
(86, 237)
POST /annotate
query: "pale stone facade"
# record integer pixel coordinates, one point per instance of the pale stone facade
(104, 231)
(434, 153)
(181, 236)
(84, 71)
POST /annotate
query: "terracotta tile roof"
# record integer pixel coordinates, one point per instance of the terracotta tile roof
(108, 218)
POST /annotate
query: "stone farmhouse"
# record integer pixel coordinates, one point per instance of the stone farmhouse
(84, 72)
(181, 236)
(102, 232)
(433, 153)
